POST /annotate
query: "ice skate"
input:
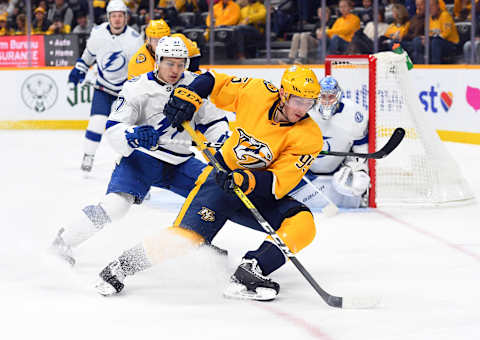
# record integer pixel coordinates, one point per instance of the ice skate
(62, 250)
(111, 279)
(248, 282)
(87, 163)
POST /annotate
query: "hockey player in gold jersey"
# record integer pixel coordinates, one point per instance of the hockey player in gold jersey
(273, 144)
(144, 60)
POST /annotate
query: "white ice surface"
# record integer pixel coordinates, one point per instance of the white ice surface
(424, 263)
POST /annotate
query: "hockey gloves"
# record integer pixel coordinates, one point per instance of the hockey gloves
(182, 105)
(144, 136)
(78, 73)
(244, 179)
(348, 182)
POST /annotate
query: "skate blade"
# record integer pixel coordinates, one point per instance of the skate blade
(105, 288)
(239, 291)
(62, 258)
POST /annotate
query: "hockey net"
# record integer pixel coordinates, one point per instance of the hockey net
(420, 171)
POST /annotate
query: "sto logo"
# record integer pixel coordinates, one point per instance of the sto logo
(473, 97)
(429, 100)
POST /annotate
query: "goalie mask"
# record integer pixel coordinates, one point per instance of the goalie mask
(329, 99)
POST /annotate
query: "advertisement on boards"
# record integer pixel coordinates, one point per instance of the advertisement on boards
(44, 94)
(14, 51)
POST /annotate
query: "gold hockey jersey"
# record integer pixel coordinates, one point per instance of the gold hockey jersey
(141, 62)
(257, 141)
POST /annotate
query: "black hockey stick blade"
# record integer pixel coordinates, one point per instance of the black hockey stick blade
(391, 145)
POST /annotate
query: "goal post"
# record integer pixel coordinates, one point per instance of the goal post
(420, 171)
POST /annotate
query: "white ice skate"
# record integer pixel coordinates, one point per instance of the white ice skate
(62, 250)
(87, 163)
(111, 279)
(248, 282)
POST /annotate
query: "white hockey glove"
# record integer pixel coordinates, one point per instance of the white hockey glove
(348, 182)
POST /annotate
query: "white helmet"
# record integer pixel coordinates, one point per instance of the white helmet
(172, 47)
(116, 6)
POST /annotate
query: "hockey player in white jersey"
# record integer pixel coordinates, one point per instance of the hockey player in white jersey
(343, 180)
(133, 129)
(110, 46)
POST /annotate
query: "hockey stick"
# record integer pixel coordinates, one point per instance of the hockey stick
(391, 144)
(330, 209)
(101, 88)
(334, 301)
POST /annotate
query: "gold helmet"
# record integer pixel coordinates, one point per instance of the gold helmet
(301, 82)
(193, 50)
(157, 29)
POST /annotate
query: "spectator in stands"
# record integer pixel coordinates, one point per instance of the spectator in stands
(342, 31)
(40, 23)
(467, 48)
(304, 8)
(99, 11)
(84, 26)
(411, 7)
(225, 13)
(398, 28)
(250, 28)
(3, 6)
(304, 42)
(61, 10)
(4, 30)
(443, 37)
(366, 12)
(189, 6)
(58, 26)
(416, 27)
(21, 26)
(462, 10)
(282, 17)
(362, 41)
(79, 7)
(132, 21)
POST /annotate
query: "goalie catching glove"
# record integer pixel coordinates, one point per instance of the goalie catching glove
(183, 103)
(244, 179)
(351, 182)
(144, 136)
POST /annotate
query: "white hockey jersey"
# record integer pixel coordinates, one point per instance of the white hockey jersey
(111, 53)
(346, 130)
(141, 102)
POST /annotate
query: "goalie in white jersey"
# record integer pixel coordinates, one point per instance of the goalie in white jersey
(343, 180)
(133, 129)
(110, 46)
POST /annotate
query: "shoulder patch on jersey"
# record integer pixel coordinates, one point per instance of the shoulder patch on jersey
(134, 79)
(141, 58)
(358, 117)
(270, 87)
